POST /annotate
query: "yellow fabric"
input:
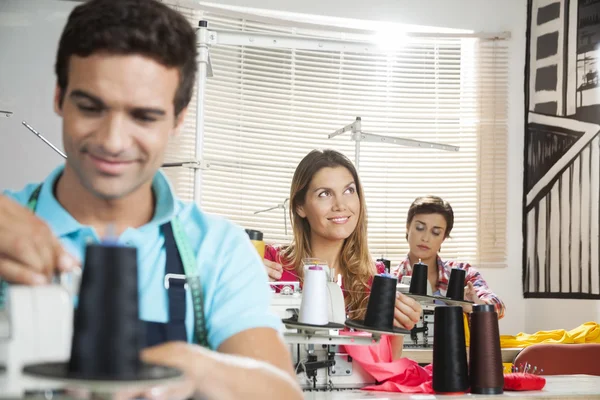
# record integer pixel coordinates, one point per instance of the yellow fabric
(467, 331)
(585, 333)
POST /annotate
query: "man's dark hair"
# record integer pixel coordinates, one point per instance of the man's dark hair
(145, 27)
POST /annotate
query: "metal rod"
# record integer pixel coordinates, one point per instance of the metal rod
(192, 164)
(285, 220)
(359, 136)
(268, 209)
(44, 139)
(354, 127)
(173, 164)
(314, 338)
(357, 154)
(283, 206)
(371, 137)
(203, 69)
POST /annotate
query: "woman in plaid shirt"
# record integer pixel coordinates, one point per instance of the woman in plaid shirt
(429, 222)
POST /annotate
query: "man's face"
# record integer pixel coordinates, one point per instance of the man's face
(118, 116)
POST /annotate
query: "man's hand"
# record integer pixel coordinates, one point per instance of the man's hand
(179, 355)
(220, 375)
(274, 270)
(29, 252)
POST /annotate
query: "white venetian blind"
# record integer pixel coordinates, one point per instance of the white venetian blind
(266, 108)
(183, 147)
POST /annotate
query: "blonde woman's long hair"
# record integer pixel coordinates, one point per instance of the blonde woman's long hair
(356, 265)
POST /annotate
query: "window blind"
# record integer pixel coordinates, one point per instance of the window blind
(266, 108)
(183, 146)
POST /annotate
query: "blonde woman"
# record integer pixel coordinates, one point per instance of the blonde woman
(329, 220)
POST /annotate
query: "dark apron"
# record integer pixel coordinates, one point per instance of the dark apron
(174, 329)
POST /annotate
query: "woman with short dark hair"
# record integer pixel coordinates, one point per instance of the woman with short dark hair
(429, 222)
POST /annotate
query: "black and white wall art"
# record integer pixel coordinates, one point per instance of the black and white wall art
(561, 204)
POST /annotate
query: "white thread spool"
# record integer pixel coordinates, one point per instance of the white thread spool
(313, 309)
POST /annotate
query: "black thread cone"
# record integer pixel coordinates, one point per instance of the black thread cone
(486, 371)
(418, 280)
(106, 332)
(382, 301)
(450, 371)
(254, 235)
(456, 284)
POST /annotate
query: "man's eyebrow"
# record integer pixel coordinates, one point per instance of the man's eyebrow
(149, 110)
(80, 94)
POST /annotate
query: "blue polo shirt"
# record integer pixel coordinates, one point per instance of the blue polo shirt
(233, 278)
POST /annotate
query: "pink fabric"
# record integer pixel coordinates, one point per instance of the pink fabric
(404, 375)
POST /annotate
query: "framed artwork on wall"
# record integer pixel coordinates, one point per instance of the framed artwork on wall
(561, 201)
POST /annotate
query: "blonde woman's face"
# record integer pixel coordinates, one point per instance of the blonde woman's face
(426, 233)
(332, 205)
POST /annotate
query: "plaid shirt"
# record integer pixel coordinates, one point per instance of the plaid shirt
(472, 275)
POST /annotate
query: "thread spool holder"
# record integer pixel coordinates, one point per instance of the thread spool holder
(318, 336)
(331, 337)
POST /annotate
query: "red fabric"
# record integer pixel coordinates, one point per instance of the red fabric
(404, 375)
(521, 382)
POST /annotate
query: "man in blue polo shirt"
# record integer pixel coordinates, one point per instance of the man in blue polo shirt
(125, 76)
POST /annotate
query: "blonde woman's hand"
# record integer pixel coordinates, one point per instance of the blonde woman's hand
(274, 270)
(407, 313)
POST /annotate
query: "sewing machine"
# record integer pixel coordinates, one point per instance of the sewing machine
(36, 325)
(320, 363)
(421, 336)
(318, 359)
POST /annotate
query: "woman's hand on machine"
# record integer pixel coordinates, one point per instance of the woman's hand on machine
(471, 295)
(407, 313)
(274, 270)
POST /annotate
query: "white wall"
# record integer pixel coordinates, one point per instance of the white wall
(26, 88)
(550, 314)
(29, 32)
